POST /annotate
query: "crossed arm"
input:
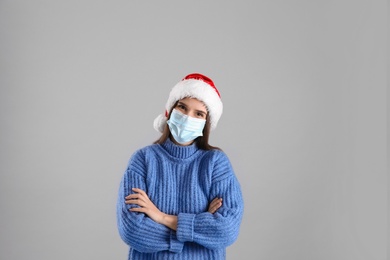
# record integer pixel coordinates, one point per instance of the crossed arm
(155, 231)
(147, 207)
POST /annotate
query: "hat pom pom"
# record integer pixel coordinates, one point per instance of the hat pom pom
(159, 123)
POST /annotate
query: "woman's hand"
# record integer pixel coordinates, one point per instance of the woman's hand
(141, 199)
(215, 205)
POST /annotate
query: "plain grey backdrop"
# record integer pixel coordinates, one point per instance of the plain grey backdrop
(304, 89)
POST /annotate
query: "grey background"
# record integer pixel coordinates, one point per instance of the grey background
(304, 89)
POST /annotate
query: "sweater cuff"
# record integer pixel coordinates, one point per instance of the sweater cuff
(175, 246)
(185, 227)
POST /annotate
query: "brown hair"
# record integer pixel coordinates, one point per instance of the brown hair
(202, 141)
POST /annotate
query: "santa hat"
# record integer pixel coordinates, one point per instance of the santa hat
(197, 86)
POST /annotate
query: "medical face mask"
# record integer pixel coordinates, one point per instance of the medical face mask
(185, 128)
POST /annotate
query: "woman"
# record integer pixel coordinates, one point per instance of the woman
(179, 198)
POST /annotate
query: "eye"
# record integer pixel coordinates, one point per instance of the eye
(200, 115)
(181, 107)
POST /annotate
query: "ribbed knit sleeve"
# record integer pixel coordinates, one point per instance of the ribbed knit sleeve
(136, 229)
(218, 230)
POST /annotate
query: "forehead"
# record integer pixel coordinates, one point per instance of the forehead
(193, 103)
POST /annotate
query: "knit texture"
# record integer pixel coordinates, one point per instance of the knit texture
(181, 181)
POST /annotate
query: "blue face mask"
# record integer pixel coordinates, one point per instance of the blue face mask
(185, 128)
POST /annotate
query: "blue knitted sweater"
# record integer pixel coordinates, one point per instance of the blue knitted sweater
(181, 181)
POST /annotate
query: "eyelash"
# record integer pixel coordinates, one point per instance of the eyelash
(181, 107)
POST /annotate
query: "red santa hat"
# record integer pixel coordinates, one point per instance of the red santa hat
(197, 86)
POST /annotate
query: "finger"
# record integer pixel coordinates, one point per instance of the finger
(212, 207)
(133, 201)
(215, 207)
(137, 202)
(216, 199)
(136, 196)
(138, 210)
(218, 205)
(139, 191)
(133, 196)
(215, 202)
(212, 211)
(141, 194)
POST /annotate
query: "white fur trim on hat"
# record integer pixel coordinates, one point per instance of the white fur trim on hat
(159, 122)
(195, 89)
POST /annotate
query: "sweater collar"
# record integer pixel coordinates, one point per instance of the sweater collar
(178, 151)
